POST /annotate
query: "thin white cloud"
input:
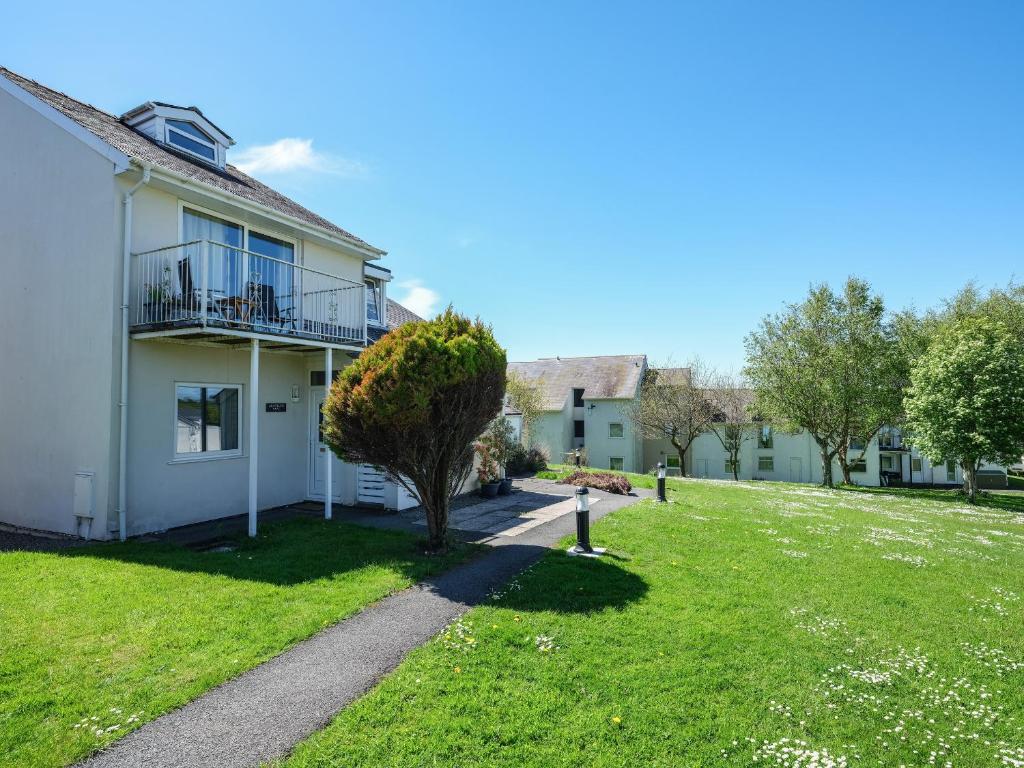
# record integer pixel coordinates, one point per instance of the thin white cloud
(292, 156)
(418, 298)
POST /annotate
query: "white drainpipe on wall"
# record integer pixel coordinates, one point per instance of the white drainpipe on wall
(122, 474)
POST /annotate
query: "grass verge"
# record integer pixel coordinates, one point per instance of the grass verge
(740, 623)
(97, 640)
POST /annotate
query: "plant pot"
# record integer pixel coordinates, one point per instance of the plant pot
(489, 490)
(505, 487)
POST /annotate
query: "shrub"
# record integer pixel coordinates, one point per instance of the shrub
(603, 481)
(522, 461)
(414, 402)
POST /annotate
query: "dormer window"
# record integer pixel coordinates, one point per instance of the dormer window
(189, 138)
(183, 129)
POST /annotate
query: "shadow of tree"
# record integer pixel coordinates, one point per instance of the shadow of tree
(288, 552)
(1007, 502)
(565, 584)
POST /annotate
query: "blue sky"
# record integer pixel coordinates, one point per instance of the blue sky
(599, 178)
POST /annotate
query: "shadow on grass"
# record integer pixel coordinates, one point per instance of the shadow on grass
(564, 584)
(1007, 502)
(288, 552)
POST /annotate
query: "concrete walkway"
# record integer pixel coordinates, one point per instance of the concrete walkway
(263, 713)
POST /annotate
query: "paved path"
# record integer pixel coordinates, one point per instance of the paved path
(263, 713)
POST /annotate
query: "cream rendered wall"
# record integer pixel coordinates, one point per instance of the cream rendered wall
(597, 415)
(549, 431)
(59, 244)
(164, 492)
(316, 256)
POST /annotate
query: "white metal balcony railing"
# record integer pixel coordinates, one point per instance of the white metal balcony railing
(210, 284)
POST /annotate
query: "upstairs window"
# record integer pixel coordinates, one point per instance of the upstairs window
(577, 398)
(578, 429)
(373, 313)
(764, 437)
(186, 136)
(615, 429)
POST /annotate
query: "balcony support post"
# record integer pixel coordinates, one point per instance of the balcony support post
(254, 414)
(328, 490)
(204, 282)
(364, 313)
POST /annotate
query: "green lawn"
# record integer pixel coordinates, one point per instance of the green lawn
(740, 624)
(96, 640)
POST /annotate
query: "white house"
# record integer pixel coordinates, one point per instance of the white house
(170, 324)
(584, 401)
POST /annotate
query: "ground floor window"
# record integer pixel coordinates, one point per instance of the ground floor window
(915, 465)
(860, 465)
(672, 462)
(615, 462)
(951, 471)
(728, 466)
(887, 462)
(765, 463)
(578, 430)
(206, 419)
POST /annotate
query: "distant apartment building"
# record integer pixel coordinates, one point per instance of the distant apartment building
(586, 403)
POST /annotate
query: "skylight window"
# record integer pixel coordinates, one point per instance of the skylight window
(188, 137)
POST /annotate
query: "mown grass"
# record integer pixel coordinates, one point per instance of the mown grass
(96, 640)
(737, 624)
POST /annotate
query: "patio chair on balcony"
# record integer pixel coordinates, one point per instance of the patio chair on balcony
(267, 310)
(192, 300)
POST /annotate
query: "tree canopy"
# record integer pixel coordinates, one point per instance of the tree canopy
(830, 365)
(674, 404)
(966, 398)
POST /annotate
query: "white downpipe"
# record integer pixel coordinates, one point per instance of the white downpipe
(126, 265)
(254, 414)
(328, 491)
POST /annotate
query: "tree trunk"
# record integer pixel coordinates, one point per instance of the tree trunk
(970, 468)
(844, 465)
(735, 466)
(435, 506)
(826, 469)
(682, 454)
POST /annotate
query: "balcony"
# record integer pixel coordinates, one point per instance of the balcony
(205, 287)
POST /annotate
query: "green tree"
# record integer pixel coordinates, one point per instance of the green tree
(526, 398)
(414, 402)
(831, 365)
(966, 399)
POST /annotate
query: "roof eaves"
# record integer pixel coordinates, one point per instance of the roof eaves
(121, 161)
(365, 248)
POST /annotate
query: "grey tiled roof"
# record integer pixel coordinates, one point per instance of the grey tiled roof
(144, 150)
(399, 315)
(615, 377)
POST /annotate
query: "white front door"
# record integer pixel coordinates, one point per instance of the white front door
(796, 474)
(702, 467)
(318, 450)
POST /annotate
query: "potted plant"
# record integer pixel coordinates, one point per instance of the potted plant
(487, 472)
(158, 298)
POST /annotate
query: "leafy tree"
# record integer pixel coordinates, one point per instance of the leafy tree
(966, 399)
(414, 402)
(674, 405)
(524, 397)
(732, 423)
(830, 365)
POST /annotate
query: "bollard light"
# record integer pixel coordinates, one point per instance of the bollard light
(661, 482)
(582, 521)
